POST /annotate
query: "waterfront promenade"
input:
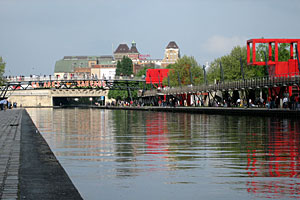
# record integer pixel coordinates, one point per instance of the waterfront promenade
(28, 168)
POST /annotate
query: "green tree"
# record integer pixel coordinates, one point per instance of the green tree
(124, 67)
(231, 65)
(262, 48)
(2, 69)
(186, 67)
(283, 52)
(143, 71)
(119, 68)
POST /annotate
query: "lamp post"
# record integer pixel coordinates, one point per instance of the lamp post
(204, 73)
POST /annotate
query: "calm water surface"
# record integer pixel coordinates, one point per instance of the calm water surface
(118, 154)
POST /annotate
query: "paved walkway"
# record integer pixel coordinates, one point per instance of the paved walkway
(28, 168)
(10, 132)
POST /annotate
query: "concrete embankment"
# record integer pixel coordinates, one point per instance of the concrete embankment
(217, 110)
(28, 168)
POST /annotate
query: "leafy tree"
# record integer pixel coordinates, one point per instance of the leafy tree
(119, 68)
(231, 65)
(2, 69)
(124, 67)
(121, 94)
(185, 67)
(283, 52)
(144, 70)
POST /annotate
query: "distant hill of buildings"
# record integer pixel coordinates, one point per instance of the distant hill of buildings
(105, 66)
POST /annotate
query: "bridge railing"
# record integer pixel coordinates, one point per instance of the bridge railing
(260, 82)
(53, 78)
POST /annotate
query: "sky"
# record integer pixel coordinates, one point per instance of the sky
(34, 34)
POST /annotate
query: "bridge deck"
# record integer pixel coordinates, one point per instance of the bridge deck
(264, 82)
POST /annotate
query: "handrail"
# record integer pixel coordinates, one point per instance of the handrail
(259, 82)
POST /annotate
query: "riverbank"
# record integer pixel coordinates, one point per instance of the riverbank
(28, 167)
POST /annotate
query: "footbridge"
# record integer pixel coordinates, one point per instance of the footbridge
(44, 91)
(204, 94)
(240, 85)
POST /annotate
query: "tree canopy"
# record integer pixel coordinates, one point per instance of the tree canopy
(124, 67)
(143, 71)
(185, 68)
(231, 65)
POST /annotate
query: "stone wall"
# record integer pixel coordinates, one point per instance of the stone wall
(31, 97)
(43, 97)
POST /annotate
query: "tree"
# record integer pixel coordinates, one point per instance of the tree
(143, 71)
(124, 67)
(119, 68)
(186, 68)
(231, 65)
(2, 69)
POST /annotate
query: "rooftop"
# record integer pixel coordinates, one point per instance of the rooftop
(172, 45)
(122, 48)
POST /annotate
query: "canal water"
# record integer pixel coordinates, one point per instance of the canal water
(120, 154)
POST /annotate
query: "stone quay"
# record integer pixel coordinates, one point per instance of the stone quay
(28, 167)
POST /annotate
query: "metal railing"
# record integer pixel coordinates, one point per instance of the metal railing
(260, 82)
(53, 78)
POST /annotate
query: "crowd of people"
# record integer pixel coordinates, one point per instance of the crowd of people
(271, 102)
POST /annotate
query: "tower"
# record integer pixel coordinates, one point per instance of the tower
(172, 54)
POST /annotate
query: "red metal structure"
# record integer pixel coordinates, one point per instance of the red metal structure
(156, 76)
(276, 68)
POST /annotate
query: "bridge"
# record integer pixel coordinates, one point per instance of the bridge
(244, 89)
(247, 84)
(43, 91)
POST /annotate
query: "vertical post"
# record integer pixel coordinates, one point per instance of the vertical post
(276, 51)
(179, 82)
(242, 69)
(191, 76)
(297, 54)
(221, 72)
(253, 52)
(266, 60)
(168, 80)
(129, 92)
(159, 81)
(292, 50)
(204, 72)
(270, 51)
(151, 83)
(248, 52)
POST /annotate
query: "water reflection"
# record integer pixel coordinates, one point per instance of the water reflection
(173, 155)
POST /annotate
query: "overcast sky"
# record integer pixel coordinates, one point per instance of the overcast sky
(34, 34)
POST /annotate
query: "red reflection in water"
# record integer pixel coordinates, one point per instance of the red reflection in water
(157, 142)
(278, 158)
